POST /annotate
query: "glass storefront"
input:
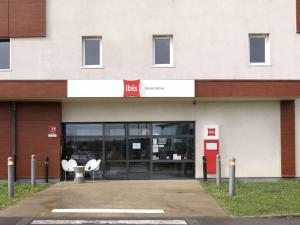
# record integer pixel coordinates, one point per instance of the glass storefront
(156, 150)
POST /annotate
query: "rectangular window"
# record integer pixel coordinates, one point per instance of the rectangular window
(92, 52)
(259, 49)
(4, 54)
(163, 51)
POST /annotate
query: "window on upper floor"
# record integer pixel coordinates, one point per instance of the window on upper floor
(162, 51)
(92, 52)
(4, 54)
(259, 49)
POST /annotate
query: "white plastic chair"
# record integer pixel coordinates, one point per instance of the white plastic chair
(68, 166)
(65, 167)
(96, 168)
(90, 165)
(72, 164)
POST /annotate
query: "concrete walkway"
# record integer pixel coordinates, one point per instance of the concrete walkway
(176, 198)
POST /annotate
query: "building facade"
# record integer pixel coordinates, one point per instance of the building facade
(149, 87)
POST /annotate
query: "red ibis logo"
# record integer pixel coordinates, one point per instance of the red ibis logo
(131, 88)
(211, 132)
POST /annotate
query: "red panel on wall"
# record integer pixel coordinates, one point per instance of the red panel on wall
(4, 18)
(33, 121)
(27, 18)
(288, 139)
(5, 137)
(298, 15)
(247, 88)
(33, 89)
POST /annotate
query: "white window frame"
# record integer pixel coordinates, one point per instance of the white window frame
(169, 37)
(9, 69)
(267, 49)
(99, 66)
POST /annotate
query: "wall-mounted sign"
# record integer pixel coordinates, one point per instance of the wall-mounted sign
(137, 88)
(131, 88)
(52, 131)
(211, 132)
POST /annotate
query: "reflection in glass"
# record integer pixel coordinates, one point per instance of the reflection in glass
(92, 52)
(139, 148)
(115, 170)
(115, 129)
(4, 54)
(139, 170)
(172, 170)
(257, 49)
(84, 130)
(191, 148)
(176, 148)
(173, 129)
(115, 149)
(139, 129)
(82, 149)
(162, 50)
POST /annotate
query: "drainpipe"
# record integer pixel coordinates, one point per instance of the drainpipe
(13, 135)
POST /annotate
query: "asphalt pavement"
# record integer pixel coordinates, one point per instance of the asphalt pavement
(170, 198)
(149, 221)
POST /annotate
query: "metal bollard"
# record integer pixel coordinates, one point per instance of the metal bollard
(10, 177)
(46, 163)
(204, 168)
(232, 177)
(15, 169)
(33, 170)
(218, 169)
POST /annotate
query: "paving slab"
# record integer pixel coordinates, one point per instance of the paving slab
(176, 198)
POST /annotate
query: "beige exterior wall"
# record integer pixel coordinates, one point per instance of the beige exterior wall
(249, 131)
(210, 39)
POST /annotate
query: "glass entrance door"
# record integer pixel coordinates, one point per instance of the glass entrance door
(115, 151)
(139, 149)
(127, 150)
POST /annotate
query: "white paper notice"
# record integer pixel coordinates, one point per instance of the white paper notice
(154, 141)
(155, 148)
(136, 145)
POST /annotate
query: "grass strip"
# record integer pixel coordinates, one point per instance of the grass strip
(254, 199)
(21, 191)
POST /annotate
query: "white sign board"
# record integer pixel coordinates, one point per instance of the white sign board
(95, 88)
(211, 146)
(167, 88)
(115, 88)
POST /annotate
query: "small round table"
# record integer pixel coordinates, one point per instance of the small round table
(79, 178)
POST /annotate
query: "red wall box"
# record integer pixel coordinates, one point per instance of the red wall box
(211, 155)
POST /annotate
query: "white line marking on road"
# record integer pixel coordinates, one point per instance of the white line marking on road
(143, 211)
(111, 222)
